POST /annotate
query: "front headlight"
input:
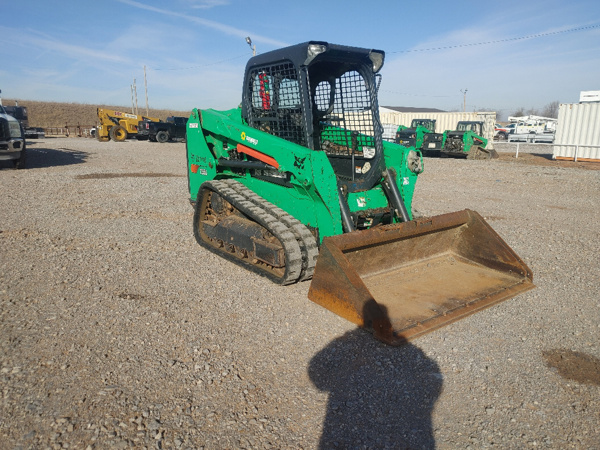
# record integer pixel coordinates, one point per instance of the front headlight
(316, 49)
(14, 129)
(313, 51)
(376, 58)
(413, 161)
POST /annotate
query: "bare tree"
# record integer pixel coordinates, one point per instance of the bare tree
(551, 109)
(519, 112)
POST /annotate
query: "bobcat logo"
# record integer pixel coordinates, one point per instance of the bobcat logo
(299, 162)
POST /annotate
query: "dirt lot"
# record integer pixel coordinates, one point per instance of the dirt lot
(117, 330)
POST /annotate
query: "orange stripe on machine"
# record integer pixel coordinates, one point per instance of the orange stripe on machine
(258, 155)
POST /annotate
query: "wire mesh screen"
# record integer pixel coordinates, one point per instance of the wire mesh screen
(276, 102)
(346, 123)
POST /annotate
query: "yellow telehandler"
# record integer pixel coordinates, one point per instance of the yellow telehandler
(117, 125)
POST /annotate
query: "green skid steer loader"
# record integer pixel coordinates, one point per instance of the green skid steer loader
(467, 142)
(297, 183)
(420, 135)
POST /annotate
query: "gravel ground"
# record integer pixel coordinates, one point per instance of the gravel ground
(117, 330)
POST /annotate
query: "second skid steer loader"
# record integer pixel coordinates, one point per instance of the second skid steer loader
(297, 183)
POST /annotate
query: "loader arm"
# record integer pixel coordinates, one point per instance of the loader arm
(471, 138)
(221, 140)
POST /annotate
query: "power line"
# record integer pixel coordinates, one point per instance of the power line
(531, 36)
(412, 94)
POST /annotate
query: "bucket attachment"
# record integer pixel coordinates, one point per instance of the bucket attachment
(403, 280)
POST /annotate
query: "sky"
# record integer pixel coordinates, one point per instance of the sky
(494, 56)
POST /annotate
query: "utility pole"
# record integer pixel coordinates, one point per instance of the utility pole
(253, 47)
(464, 100)
(132, 110)
(135, 91)
(146, 88)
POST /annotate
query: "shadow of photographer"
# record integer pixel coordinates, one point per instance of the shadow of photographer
(379, 396)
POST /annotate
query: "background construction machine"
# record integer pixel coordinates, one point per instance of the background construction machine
(117, 125)
(467, 141)
(420, 135)
(298, 184)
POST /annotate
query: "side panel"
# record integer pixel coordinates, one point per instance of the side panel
(202, 165)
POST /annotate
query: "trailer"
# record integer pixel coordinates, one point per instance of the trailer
(532, 137)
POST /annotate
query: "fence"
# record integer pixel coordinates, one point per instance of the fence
(70, 130)
(530, 144)
(588, 156)
(576, 155)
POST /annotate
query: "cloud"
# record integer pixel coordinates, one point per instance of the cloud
(514, 69)
(206, 4)
(226, 29)
(26, 38)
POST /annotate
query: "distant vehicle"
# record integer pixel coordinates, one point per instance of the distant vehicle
(531, 129)
(12, 140)
(420, 135)
(532, 124)
(501, 133)
(117, 125)
(20, 113)
(467, 141)
(171, 130)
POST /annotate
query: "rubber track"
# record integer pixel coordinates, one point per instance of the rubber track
(293, 254)
(306, 240)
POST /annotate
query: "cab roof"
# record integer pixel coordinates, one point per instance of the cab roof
(302, 55)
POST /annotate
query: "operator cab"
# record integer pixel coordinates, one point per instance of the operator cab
(324, 97)
(475, 127)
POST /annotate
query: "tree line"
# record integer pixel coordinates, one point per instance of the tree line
(550, 110)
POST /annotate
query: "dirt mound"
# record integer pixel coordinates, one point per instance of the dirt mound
(55, 114)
